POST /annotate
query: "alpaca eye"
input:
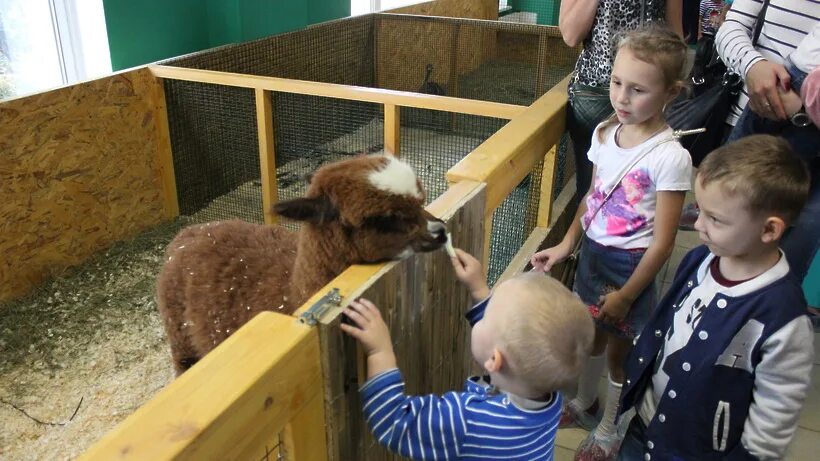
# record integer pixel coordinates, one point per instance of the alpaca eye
(384, 223)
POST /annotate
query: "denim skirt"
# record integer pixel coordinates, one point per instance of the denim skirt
(603, 269)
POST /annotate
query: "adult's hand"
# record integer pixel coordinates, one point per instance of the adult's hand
(762, 81)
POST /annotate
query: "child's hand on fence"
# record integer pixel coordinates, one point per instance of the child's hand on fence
(543, 260)
(614, 307)
(372, 333)
(470, 272)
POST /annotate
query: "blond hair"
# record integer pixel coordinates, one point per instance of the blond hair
(659, 46)
(548, 337)
(763, 169)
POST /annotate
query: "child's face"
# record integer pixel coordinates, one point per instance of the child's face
(636, 90)
(725, 223)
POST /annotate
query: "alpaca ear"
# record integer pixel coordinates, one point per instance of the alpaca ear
(314, 210)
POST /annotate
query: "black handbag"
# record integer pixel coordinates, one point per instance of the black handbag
(708, 109)
(715, 88)
(589, 105)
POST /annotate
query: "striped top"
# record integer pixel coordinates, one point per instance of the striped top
(786, 24)
(473, 424)
(710, 16)
(478, 423)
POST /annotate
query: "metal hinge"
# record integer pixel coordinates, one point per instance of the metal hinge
(332, 299)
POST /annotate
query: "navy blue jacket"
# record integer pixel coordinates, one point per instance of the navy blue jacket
(703, 409)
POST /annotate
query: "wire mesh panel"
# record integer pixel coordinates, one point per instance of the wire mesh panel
(433, 141)
(474, 59)
(513, 221)
(333, 52)
(216, 152)
(487, 60)
(311, 131)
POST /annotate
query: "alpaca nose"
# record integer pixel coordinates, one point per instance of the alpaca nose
(437, 229)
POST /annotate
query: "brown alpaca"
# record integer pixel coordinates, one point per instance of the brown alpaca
(219, 275)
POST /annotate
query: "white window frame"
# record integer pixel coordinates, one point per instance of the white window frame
(66, 26)
(79, 41)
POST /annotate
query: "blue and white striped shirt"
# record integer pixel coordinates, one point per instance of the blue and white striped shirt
(474, 424)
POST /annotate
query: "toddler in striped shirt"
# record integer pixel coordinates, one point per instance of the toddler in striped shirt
(532, 337)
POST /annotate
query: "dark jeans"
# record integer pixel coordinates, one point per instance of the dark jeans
(801, 241)
(580, 132)
(634, 443)
(581, 140)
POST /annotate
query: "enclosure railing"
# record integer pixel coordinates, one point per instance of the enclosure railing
(280, 388)
(256, 397)
(276, 389)
(512, 153)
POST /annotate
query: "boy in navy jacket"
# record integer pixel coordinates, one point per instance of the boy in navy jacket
(723, 366)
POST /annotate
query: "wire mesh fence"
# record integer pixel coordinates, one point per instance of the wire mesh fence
(213, 131)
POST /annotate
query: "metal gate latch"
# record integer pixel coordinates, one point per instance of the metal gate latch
(331, 299)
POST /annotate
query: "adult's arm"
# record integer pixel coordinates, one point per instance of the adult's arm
(674, 16)
(575, 19)
(762, 77)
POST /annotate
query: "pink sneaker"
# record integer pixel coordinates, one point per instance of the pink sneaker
(575, 417)
(595, 448)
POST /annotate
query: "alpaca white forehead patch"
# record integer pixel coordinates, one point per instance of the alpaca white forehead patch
(396, 177)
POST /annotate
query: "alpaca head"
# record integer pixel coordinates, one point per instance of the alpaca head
(372, 207)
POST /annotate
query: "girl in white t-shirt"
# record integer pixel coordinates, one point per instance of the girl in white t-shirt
(628, 237)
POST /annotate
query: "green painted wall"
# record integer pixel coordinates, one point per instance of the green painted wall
(260, 18)
(140, 32)
(223, 22)
(326, 10)
(811, 284)
(547, 9)
(144, 31)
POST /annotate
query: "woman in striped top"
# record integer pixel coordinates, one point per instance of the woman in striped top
(787, 24)
(532, 337)
(787, 50)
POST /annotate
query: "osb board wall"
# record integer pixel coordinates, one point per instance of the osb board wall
(405, 45)
(524, 48)
(455, 47)
(405, 49)
(78, 171)
(423, 304)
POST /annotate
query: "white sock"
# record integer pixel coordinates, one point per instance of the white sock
(606, 428)
(588, 382)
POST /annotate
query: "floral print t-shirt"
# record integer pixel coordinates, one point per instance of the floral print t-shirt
(627, 219)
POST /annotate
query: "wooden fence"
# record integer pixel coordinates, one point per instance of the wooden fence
(229, 406)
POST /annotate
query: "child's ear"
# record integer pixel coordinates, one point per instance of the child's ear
(673, 92)
(495, 362)
(773, 229)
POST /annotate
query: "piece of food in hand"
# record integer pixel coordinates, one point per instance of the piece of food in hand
(448, 245)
